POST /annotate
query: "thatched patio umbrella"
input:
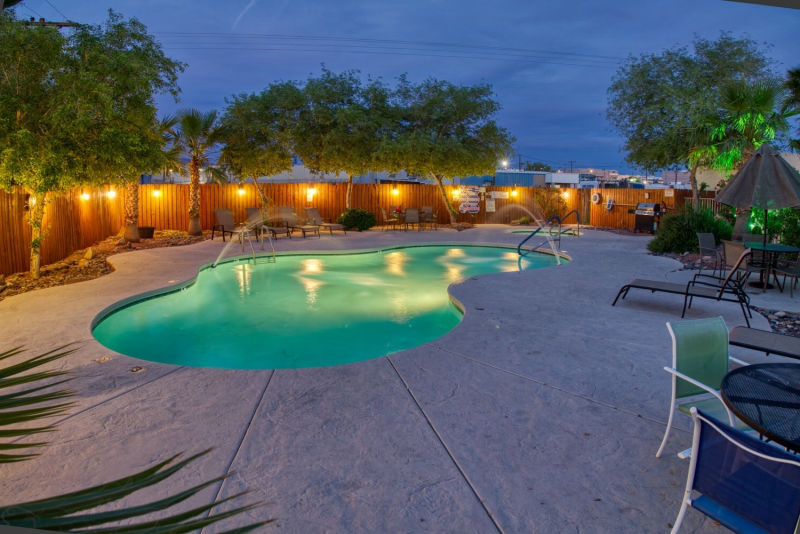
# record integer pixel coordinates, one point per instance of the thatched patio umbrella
(766, 181)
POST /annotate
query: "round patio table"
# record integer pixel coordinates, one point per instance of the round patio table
(767, 397)
(771, 252)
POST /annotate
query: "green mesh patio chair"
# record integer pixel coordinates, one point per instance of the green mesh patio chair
(699, 362)
(739, 481)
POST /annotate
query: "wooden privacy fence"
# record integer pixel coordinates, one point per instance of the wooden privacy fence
(80, 217)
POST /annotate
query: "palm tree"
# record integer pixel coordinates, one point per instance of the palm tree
(750, 114)
(197, 134)
(793, 102)
(166, 130)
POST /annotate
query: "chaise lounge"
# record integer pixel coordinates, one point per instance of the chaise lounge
(728, 289)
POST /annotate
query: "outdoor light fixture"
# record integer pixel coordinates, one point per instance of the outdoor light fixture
(504, 163)
(156, 192)
(111, 193)
(30, 202)
(514, 191)
(310, 194)
(85, 196)
(240, 191)
(565, 194)
(395, 192)
(456, 193)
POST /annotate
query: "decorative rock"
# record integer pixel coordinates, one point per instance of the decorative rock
(781, 314)
(122, 242)
(88, 255)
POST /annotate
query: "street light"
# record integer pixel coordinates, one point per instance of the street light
(504, 163)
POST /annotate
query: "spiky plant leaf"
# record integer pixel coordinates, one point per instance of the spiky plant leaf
(37, 405)
(58, 513)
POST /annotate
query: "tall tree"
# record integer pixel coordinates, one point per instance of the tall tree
(77, 110)
(793, 101)
(444, 131)
(749, 115)
(338, 127)
(197, 134)
(656, 101)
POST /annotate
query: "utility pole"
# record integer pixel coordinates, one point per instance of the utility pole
(570, 164)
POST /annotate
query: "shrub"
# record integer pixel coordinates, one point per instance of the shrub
(677, 231)
(357, 218)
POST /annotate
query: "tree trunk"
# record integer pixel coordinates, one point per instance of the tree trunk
(36, 204)
(695, 190)
(132, 211)
(742, 224)
(194, 198)
(450, 209)
(348, 197)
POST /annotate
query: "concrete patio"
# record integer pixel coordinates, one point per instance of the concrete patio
(540, 412)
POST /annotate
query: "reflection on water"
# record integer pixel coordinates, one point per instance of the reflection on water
(311, 266)
(311, 287)
(456, 253)
(395, 263)
(244, 274)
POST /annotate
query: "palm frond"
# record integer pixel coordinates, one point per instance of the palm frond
(56, 513)
(29, 404)
(59, 513)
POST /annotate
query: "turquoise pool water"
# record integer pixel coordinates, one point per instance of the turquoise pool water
(305, 310)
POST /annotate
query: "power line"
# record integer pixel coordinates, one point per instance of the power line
(57, 10)
(385, 52)
(428, 44)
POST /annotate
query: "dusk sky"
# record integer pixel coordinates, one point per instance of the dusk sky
(549, 63)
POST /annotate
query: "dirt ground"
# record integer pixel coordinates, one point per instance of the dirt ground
(74, 269)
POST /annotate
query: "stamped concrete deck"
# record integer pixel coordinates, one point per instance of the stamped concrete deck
(540, 412)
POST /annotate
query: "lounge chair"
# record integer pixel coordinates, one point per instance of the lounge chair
(699, 362)
(313, 216)
(256, 216)
(728, 289)
(739, 481)
(225, 224)
(287, 216)
(393, 221)
(765, 341)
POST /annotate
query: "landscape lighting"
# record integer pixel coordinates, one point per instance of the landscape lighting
(156, 192)
(111, 193)
(395, 191)
(514, 191)
(310, 194)
(240, 191)
(85, 196)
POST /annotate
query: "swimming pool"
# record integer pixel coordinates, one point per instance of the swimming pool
(304, 310)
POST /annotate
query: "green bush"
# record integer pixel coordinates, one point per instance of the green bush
(677, 231)
(357, 218)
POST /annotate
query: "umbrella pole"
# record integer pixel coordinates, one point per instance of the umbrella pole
(765, 228)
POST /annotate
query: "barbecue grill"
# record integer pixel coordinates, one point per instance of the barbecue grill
(647, 216)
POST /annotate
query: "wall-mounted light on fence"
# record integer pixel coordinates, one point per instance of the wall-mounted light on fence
(310, 194)
(85, 196)
(156, 192)
(565, 195)
(395, 191)
(30, 202)
(514, 191)
(111, 193)
(240, 191)
(456, 193)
